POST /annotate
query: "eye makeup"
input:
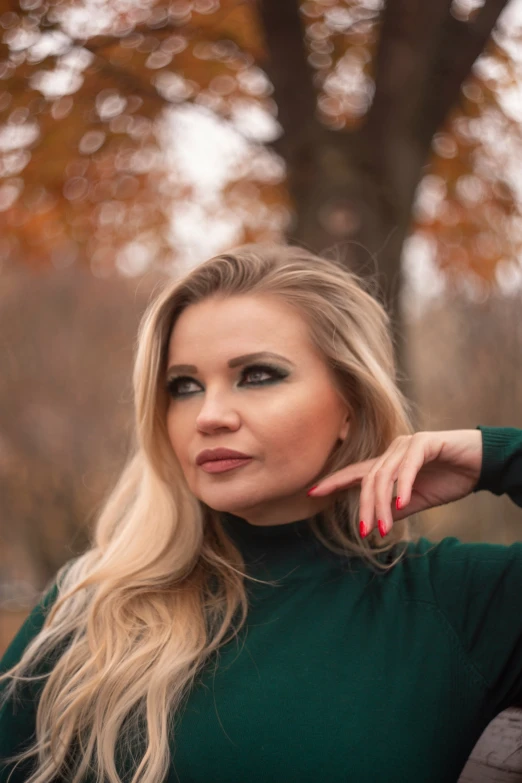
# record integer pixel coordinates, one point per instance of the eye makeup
(276, 374)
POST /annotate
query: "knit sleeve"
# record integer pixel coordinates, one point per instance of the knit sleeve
(501, 471)
(18, 716)
(478, 586)
(478, 589)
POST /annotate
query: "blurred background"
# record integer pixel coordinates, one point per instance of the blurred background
(140, 137)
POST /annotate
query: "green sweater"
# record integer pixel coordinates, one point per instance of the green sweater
(345, 674)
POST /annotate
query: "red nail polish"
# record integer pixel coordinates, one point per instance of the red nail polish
(398, 503)
(362, 528)
(382, 529)
(312, 489)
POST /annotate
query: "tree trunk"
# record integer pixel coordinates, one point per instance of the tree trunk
(341, 205)
(353, 192)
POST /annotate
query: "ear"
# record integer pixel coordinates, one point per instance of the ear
(345, 428)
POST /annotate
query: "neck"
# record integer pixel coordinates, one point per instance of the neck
(279, 513)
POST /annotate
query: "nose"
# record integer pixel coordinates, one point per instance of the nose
(217, 413)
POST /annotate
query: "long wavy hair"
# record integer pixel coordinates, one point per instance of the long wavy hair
(162, 586)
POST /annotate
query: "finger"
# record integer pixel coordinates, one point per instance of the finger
(411, 464)
(416, 504)
(367, 504)
(384, 482)
(383, 467)
(342, 479)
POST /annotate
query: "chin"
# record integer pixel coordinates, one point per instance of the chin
(233, 502)
(228, 506)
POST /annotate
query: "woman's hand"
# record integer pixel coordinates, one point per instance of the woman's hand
(430, 468)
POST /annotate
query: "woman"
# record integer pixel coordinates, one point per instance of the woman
(229, 623)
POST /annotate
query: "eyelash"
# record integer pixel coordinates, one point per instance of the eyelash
(275, 372)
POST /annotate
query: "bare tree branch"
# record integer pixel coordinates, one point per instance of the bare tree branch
(411, 34)
(463, 43)
(424, 56)
(409, 42)
(292, 78)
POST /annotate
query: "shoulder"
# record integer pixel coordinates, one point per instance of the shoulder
(30, 628)
(433, 570)
(450, 555)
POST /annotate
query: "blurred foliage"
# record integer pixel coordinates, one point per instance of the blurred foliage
(85, 153)
(469, 206)
(92, 140)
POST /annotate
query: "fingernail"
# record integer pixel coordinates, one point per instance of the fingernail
(312, 489)
(382, 529)
(362, 528)
(398, 503)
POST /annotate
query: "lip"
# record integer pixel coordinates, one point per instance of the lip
(222, 465)
(211, 455)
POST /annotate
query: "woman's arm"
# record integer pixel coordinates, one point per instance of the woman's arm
(430, 469)
(501, 471)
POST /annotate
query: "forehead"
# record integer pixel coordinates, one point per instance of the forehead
(237, 324)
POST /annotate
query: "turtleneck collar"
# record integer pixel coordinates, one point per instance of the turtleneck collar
(284, 552)
(246, 531)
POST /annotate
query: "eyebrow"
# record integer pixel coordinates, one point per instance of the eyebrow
(237, 362)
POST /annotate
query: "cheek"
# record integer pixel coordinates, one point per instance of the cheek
(306, 429)
(177, 435)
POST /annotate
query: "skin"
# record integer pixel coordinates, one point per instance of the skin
(430, 468)
(289, 427)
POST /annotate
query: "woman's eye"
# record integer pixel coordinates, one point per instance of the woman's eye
(173, 386)
(175, 383)
(257, 371)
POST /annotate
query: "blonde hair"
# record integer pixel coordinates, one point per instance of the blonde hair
(162, 585)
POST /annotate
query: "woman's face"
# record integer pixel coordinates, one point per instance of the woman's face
(287, 419)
